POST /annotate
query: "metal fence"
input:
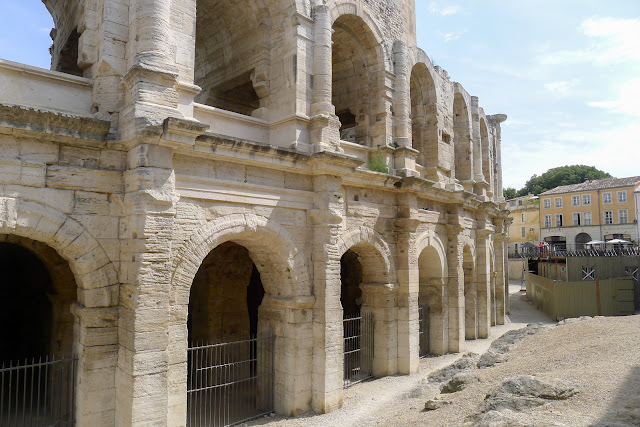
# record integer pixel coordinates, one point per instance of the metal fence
(230, 383)
(358, 347)
(575, 251)
(40, 392)
(423, 320)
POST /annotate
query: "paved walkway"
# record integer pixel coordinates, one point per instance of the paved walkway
(363, 401)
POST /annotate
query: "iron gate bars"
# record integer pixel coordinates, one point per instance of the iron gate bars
(423, 320)
(230, 383)
(39, 392)
(358, 347)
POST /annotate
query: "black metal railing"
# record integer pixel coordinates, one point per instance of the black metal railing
(38, 392)
(576, 251)
(358, 347)
(230, 383)
(423, 331)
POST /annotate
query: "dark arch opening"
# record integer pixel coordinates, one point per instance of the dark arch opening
(351, 278)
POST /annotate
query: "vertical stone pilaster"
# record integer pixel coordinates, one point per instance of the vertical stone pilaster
(455, 292)
(484, 280)
(327, 369)
(477, 140)
(501, 285)
(146, 231)
(499, 118)
(407, 274)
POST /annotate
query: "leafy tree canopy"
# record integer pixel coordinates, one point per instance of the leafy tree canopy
(563, 175)
(509, 193)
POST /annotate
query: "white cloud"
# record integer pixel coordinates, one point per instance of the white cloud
(627, 101)
(443, 10)
(615, 41)
(561, 88)
(448, 37)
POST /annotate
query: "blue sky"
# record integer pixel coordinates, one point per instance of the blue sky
(566, 72)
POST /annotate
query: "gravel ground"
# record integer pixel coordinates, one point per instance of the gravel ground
(599, 356)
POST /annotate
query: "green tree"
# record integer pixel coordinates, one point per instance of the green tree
(563, 175)
(509, 193)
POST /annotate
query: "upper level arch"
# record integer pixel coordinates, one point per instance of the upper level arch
(373, 253)
(463, 149)
(424, 115)
(232, 54)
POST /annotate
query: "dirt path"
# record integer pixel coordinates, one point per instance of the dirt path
(373, 402)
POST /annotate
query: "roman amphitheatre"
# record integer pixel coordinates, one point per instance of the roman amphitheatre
(216, 210)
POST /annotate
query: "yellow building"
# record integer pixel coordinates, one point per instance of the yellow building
(524, 231)
(603, 209)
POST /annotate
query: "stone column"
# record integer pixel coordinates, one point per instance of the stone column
(327, 369)
(455, 282)
(151, 82)
(380, 299)
(401, 96)
(325, 126)
(470, 307)
(439, 316)
(483, 282)
(291, 321)
(477, 140)
(408, 286)
(143, 328)
(499, 118)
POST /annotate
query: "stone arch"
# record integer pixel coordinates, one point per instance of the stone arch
(581, 239)
(374, 253)
(269, 245)
(486, 150)
(463, 148)
(424, 115)
(358, 70)
(432, 293)
(94, 272)
(232, 54)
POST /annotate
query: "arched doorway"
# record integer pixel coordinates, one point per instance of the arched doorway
(230, 359)
(357, 323)
(37, 366)
(581, 239)
(470, 295)
(432, 303)
(424, 122)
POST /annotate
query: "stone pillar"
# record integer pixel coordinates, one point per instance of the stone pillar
(408, 286)
(327, 369)
(290, 320)
(501, 285)
(380, 299)
(470, 307)
(401, 96)
(97, 351)
(151, 82)
(143, 327)
(438, 320)
(455, 283)
(325, 126)
(483, 282)
(499, 118)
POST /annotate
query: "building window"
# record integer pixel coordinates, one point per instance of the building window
(524, 231)
(546, 203)
(558, 220)
(519, 202)
(608, 217)
(623, 216)
(522, 217)
(586, 199)
(547, 221)
(587, 218)
(606, 197)
(558, 202)
(512, 204)
(576, 218)
(575, 200)
(622, 196)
